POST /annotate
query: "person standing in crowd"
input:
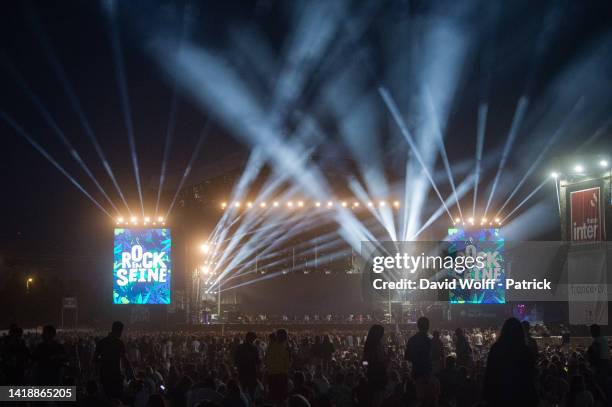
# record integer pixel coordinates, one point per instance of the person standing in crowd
(375, 361)
(566, 336)
(15, 356)
(598, 355)
(449, 378)
(327, 350)
(510, 373)
(110, 354)
(247, 361)
(278, 362)
(462, 348)
(419, 353)
(50, 357)
(195, 345)
(437, 352)
(418, 350)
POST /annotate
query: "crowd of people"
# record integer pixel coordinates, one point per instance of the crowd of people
(477, 367)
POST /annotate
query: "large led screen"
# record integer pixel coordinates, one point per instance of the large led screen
(485, 242)
(142, 267)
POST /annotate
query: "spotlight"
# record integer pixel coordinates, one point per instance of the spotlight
(471, 220)
(396, 204)
(457, 220)
(484, 220)
(603, 163)
(356, 204)
(249, 204)
(318, 204)
(554, 174)
(382, 203)
(263, 204)
(290, 204)
(134, 219)
(147, 219)
(497, 220)
(344, 204)
(370, 204)
(223, 205)
(275, 203)
(120, 219)
(237, 204)
(330, 204)
(300, 204)
(205, 270)
(578, 168)
(160, 219)
(205, 248)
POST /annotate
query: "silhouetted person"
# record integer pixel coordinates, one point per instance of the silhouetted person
(110, 353)
(437, 352)
(50, 357)
(316, 350)
(418, 350)
(449, 378)
(375, 358)
(278, 361)
(566, 336)
(509, 377)
(247, 363)
(599, 354)
(15, 356)
(462, 348)
(327, 350)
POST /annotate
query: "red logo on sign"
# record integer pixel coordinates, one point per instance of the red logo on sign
(585, 215)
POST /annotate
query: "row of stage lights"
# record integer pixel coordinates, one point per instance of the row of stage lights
(145, 221)
(302, 204)
(472, 222)
(579, 169)
(207, 268)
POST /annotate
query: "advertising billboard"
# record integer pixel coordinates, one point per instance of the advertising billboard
(586, 215)
(142, 267)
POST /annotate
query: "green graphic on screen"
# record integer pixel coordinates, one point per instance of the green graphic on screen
(488, 243)
(142, 266)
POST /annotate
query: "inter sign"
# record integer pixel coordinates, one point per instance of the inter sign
(585, 223)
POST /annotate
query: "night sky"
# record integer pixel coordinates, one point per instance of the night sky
(42, 209)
